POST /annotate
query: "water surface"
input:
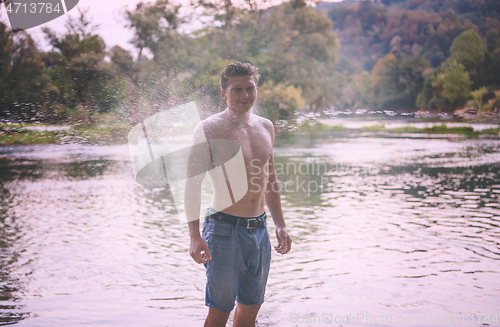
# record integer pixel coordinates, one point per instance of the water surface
(393, 227)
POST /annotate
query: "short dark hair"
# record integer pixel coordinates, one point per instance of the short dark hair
(237, 69)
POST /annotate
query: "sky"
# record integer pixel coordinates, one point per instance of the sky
(108, 14)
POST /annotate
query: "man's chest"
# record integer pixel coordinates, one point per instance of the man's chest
(254, 143)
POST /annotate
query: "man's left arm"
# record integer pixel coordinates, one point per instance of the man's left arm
(273, 201)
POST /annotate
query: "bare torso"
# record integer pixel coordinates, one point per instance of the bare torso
(254, 136)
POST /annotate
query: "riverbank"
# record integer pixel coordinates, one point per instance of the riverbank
(13, 134)
(117, 134)
(392, 130)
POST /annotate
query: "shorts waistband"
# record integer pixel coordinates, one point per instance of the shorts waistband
(246, 222)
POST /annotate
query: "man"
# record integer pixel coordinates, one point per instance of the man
(235, 246)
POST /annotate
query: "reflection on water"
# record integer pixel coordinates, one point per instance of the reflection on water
(397, 227)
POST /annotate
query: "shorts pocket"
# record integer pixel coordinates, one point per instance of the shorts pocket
(222, 231)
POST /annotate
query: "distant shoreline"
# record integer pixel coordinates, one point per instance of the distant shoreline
(117, 134)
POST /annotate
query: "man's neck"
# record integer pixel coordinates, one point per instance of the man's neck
(238, 116)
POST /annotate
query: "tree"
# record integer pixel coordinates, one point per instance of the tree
(301, 50)
(477, 95)
(397, 80)
(151, 23)
(456, 84)
(431, 95)
(22, 77)
(226, 11)
(368, 31)
(279, 101)
(467, 49)
(355, 92)
(367, 13)
(291, 47)
(339, 16)
(125, 66)
(221, 10)
(82, 62)
(167, 77)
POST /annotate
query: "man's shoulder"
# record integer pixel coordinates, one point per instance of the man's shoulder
(214, 119)
(264, 121)
(213, 123)
(216, 116)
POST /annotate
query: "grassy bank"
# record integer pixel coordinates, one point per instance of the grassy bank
(102, 135)
(318, 128)
(117, 134)
(436, 129)
(28, 137)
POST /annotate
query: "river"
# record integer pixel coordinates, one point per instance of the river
(399, 227)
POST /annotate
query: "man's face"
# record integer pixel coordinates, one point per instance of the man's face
(241, 93)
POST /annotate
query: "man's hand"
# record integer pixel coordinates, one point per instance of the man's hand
(199, 250)
(284, 241)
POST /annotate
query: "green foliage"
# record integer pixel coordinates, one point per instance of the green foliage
(149, 21)
(90, 134)
(443, 129)
(397, 81)
(166, 79)
(488, 73)
(23, 137)
(395, 55)
(374, 128)
(478, 95)
(300, 49)
(496, 101)
(79, 68)
(208, 81)
(95, 134)
(354, 89)
(22, 80)
(467, 49)
(431, 95)
(405, 129)
(279, 101)
(491, 131)
(456, 84)
(293, 47)
(314, 128)
(221, 11)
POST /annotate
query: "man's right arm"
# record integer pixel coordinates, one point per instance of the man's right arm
(198, 162)
(198, 248)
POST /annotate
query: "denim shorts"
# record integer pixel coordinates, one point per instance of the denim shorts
(240, 264)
